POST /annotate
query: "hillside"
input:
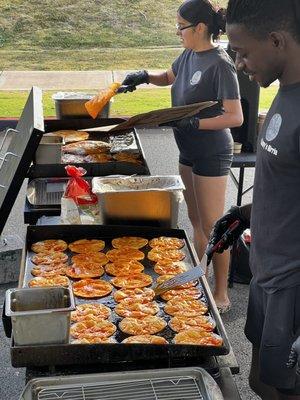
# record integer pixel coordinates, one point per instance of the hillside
(31, 28)
(66, 24)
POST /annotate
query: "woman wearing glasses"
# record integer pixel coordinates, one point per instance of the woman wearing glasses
(203, 72)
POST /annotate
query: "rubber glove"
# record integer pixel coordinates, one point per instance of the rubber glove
(184, 124)
(294, 357)
(222, 225)
(136, 78)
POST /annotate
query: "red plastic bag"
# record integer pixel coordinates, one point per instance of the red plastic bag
(78, 188)
(79, 203)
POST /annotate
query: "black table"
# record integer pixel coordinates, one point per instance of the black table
(242, 161)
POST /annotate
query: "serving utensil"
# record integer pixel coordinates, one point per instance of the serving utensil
(199, 270)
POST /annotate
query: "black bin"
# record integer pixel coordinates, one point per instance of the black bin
(239, 266)
(247, 133)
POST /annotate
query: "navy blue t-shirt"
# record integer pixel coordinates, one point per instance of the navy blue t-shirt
(203, 76)
(275, 215)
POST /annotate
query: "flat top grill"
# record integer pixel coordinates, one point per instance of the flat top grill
(173, 388)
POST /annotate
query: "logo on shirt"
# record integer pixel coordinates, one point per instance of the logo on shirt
(271, 133)
(274, 127)
(196, 78)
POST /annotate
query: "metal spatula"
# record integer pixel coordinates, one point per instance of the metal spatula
(181, 279)
(199, 270)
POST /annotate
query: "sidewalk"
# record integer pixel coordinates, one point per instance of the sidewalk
(61, 80)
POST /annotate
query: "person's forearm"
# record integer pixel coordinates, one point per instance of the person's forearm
(226, 120)
(161, 79)
(246, 211)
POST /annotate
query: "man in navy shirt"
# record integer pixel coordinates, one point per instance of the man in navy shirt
(265, 34)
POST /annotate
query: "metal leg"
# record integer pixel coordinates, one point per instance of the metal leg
(240, 186)
(227, 385)
(231, 269)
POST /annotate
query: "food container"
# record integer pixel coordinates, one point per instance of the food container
(261, 120)
(39, 315)
(159, 384)
(237, 148)
(49, 150)
(144, 200)
(71, 105)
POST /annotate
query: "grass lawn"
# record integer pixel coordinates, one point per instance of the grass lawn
(88, 59)
(143, 100)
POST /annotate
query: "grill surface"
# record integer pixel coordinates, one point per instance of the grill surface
(112, 353)
(173, 388)
(93, 169)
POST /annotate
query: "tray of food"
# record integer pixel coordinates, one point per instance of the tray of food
(91, 145)
(111, 270)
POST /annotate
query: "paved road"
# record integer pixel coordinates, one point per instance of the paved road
(161, 154)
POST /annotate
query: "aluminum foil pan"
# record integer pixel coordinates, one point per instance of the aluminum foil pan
(72, 96)
(125, 142)
(138, 184)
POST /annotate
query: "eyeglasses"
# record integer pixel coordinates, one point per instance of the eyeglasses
(182, 28)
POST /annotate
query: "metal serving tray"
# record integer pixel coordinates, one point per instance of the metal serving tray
(163, 384)
(69, 354)
(40, 315)
(139, 200)
(93, 169)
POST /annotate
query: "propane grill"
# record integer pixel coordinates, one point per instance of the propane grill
(158, 384)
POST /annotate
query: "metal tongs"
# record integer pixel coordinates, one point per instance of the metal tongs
(199, 270)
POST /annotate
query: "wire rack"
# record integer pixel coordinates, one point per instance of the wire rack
(176, 388)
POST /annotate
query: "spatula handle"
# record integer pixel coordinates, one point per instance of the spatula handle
(216, 247)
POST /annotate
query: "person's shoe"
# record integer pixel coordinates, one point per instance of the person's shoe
(224, 308)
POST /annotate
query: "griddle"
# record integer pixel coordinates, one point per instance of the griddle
(93, 169)
(115, 353)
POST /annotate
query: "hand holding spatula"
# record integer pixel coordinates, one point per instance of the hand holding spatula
(199, 270)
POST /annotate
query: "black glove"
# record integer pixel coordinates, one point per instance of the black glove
(294, 357)
(184, 124)
(136, 78)
(222, 225)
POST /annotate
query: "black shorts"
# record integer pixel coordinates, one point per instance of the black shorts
(273, 324)
(208, 153)
(216, 165)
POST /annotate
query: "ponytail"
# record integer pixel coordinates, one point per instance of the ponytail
(196, 11)
(219, 23)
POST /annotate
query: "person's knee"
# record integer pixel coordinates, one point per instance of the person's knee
(194, 219)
